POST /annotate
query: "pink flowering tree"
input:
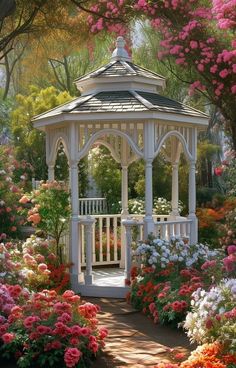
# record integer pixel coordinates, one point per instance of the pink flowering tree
(199, 35)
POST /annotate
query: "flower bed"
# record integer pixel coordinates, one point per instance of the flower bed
(205, 356)
(171, 271)
(33, 264)
(50, 329)
(213, 315)
(41, 327)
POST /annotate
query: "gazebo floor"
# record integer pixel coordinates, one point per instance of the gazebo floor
(108, 282)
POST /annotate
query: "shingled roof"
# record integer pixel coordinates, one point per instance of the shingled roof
(124, 101)
(120, 68)
(122, 86)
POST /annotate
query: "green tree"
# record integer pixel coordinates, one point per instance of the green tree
(29, 142)
(107, 175)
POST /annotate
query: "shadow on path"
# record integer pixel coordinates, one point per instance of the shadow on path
(134, 340)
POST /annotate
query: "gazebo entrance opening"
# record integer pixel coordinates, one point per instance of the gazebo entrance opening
(120, 108)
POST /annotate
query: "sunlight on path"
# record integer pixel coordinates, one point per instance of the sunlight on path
(134, 341)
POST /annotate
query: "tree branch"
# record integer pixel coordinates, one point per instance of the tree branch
(101, 15)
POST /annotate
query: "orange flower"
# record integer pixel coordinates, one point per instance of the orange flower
(35, 218)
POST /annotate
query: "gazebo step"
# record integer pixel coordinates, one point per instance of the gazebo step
(104, 291)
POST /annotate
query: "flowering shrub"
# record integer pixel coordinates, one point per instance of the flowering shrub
(33, 264)
(14, 177)
(213, 315)
(50, 329)
(207, 355)
(51, 210)
(10, 296)
(159, 253)
(165, 296)
(217, 225)
(161, 206)
(171, 272)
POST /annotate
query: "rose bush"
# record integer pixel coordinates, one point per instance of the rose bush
(33, 264)
(49, 329)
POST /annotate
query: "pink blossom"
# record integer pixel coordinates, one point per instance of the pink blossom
(233, 89)
(200, 67)
(42, 267)
(8, 338)
(231, 249)
(193, 44)
(224, 73)
(213, 69)
(72, 357)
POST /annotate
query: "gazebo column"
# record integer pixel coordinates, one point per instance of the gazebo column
(148, 157)
(75, 251)
(175, 190)
(124, 196)
(124, 191)
(192, 203)
(51, 173)
(124, 211)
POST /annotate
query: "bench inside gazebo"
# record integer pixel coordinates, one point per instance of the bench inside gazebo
(121, 108)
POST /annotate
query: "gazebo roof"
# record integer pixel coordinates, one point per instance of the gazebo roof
(124, 101)
(121, 90)
(121, 68)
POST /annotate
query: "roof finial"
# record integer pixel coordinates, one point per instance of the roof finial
(120, 53)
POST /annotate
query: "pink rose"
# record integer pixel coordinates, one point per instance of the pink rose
(231, 249)
(72, 357)
(8, 337)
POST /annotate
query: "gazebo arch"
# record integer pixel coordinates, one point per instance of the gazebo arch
(107, 131)
(124, 100)
(51, 151)
(180, 137)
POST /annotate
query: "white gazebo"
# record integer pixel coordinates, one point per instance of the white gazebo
(120, 107)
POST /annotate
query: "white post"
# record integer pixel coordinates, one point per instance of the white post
(128, 255)
(51, 176)
(149, 147)
(124, 211)
(175, 190)
(88, 224)
(75, 251)
(124, 192)
(192, 203)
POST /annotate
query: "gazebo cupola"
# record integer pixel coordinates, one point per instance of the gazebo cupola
(122, 108)
(120, 74)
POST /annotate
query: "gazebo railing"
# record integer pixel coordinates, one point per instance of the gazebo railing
(106, 238)
(162, 229)
(92, 206)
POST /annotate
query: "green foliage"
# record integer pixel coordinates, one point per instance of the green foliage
(29, 142)
(107, 175)
(5, 108)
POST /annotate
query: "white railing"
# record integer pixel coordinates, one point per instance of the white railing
(92, 206)
(106, 236)
(166, 229)
(106, 240)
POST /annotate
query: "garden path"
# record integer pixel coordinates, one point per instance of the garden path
(134, 341)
